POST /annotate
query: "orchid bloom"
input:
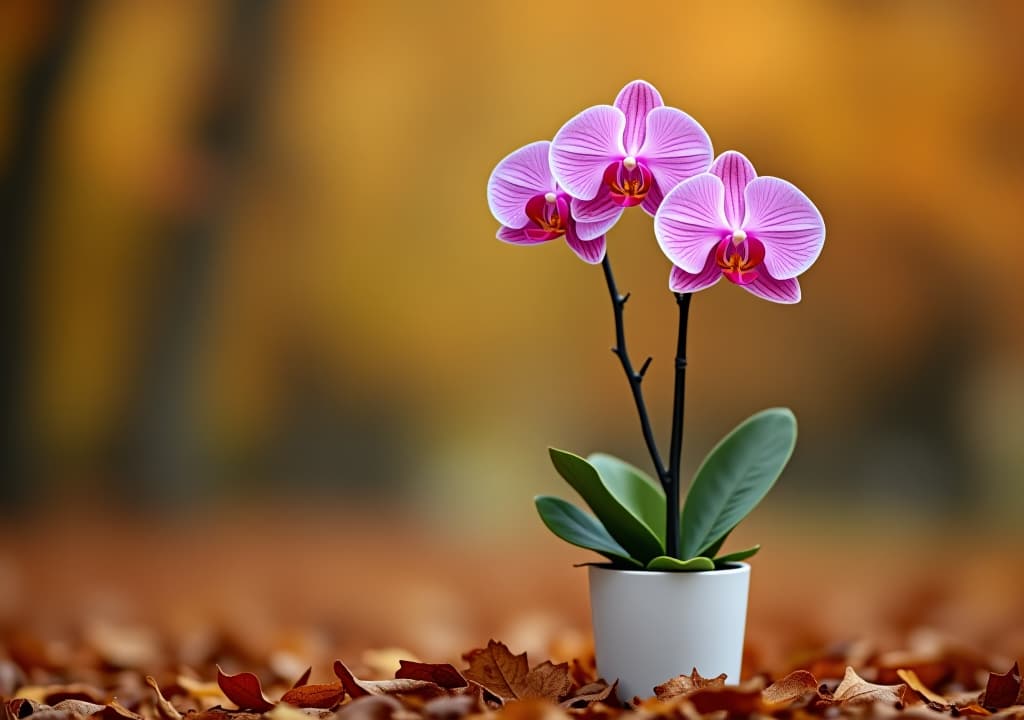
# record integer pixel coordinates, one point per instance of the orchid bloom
(757, 232)
(531, 206)
(610, 157)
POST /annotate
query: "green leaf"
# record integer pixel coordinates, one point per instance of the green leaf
(635, 489)
(579, 528)
(735, 477)
(671, 564)
(632, 533)
(738, 555)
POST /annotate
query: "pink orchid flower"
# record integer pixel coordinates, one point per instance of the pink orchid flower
(757, 232)
(610, 157)
(531, 206)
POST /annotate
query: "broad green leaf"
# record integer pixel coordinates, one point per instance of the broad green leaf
(671, 564)
(632, 533)
(634, 488)
(712, 549)
(735, 477)
(738, 555)
(579, 528)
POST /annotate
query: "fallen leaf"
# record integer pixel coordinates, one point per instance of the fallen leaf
(684, 685)
(454, 706)
(972, 710)
(304, 678)
(385, 663)
(361, 688)
(164, 709)
(323, 696)
(244, 690)
(591, 693)
(788, 689)
(1002, 691)
(914, 683)
(442, 674)
(744, 700)
(78, 707)
(854, 690)
(116, 711)
(200, 690)
(508, 676)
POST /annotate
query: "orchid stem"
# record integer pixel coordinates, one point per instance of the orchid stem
(635, 379)
(676, 448)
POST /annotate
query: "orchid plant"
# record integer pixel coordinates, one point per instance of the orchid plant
(713, 218)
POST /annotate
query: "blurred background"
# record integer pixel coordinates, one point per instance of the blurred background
(254, 309)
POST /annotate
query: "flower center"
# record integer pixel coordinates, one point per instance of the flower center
(738, 256)
(548, 214)
(628, 182)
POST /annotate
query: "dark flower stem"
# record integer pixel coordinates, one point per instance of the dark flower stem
(635, 377)
(676, 448)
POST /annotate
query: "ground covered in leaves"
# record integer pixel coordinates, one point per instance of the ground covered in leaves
(222, 624)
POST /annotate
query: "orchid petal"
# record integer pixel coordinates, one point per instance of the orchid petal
(520, 176)
(681, 281)
(636, 100)
(584, 147)
(780, 291)
(736, 173)
(520, 236)
(676, 147)
(690, 222)
(595, 217)
(787, 222)
(590, 251)
(653, 198)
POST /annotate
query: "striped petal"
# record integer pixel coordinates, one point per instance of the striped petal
(595, 217)
(787, 222)
(590, 251)
(522, 236)
(736, 173)
(518, 177)
(635, 101)
(681, 281)
(690, 222)
(780, 291)
(584, 147)
(676, 147)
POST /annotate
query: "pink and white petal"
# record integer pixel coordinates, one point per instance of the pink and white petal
(652, 201)
(676, 147)
(736, 173)
(589, 251)
(787, 222)
(584, 147)
(780, 291)
(518, 177)
(600, 208)
(690, 223)
(518, 236)
(684, 282)
(593, 230)
(636, 100)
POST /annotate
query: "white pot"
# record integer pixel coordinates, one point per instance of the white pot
(652, 626)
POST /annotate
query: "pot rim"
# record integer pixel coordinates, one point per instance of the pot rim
(732, 568)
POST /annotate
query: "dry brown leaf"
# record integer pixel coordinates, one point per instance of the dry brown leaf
(244, 690)
(684, 685)
(304, 678)
(163, 706)
(1002, 691)
(972, 710)
(914, 683)
(361, 688)
(743, 700)
(591, 693)
(323, 696)
(442, 674)
(789, 689)
(116, 711)
(508, 677)
(78, 707)
(854, 690)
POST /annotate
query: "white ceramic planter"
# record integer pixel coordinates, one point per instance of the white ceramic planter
(651, 626)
